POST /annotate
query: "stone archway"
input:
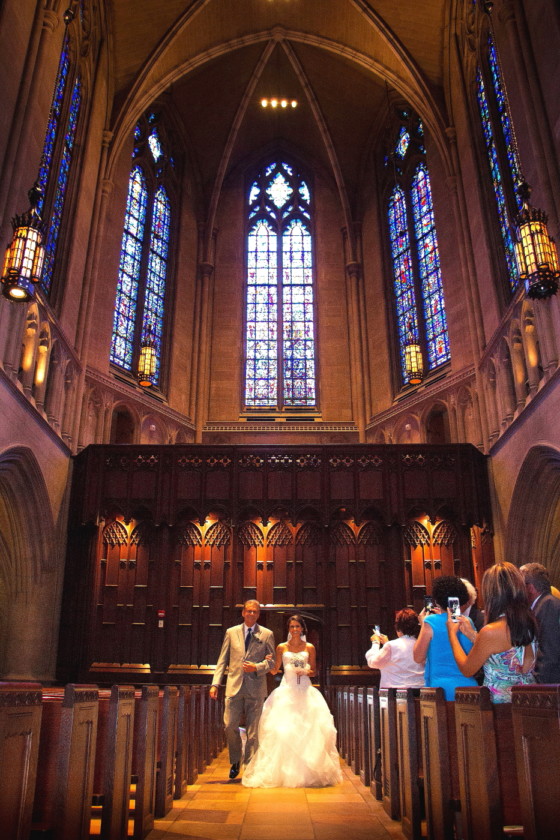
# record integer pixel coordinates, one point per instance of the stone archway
(28, 596)
(533, 531)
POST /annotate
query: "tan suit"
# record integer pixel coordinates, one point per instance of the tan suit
(245, 692)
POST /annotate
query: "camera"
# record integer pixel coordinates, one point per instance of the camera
(376, 629)
(455, 607)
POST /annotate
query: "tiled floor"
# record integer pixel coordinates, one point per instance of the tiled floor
(218, 808)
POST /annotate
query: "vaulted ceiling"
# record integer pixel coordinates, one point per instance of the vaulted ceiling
(215, 60)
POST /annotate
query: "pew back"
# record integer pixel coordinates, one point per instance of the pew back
(20, 722)
(536, 720)
(168, 711)
(486, 764)
(374, 734)
(144, 759)
(113, 761)
(407, 712)
(389, 754)
(439, 762)
(66, 761)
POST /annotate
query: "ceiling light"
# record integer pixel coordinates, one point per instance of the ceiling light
(275, 102)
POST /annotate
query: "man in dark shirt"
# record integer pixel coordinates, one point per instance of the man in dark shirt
(546, 608)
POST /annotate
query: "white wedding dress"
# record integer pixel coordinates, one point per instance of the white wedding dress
(297, 736)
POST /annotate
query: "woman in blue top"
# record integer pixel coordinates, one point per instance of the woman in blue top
(433, 646)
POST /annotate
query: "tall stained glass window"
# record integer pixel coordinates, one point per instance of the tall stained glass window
(501, 151)
(144, 261)
(56, 160)
(280, 361)
(417, 283)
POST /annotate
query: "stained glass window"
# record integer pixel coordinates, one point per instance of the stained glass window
(124, 319)
(143, 268)
(152, 320)
(435, 321)
(403, 276)
(56, 160)
(417, 283)
(501, 152)
(280, 367)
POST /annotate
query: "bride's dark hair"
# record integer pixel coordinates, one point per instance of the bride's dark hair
(300, 620)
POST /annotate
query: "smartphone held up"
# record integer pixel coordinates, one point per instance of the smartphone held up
(455, 607)
(429, 605)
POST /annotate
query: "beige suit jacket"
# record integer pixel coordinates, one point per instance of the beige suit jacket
(232, 656)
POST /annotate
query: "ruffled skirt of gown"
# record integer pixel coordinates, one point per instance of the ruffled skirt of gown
(297, 740)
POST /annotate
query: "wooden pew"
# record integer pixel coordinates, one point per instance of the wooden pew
(66, 763)
(363, 736)
(488, 785)
(113, 760)
(344, 699)
(439, 763)
(182, 746)
(536, 721)
(212, 728)
(192, 731)
(168, 710)
(374, 738)
(144, 759)
(407, 710)
(389, 755)
(353, 730)
(20, 723)
(204, 733)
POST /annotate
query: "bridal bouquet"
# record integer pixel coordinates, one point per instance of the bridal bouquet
(298, 663)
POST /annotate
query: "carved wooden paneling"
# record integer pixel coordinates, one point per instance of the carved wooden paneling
(276, 538)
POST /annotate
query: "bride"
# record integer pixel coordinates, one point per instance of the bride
(297, 737)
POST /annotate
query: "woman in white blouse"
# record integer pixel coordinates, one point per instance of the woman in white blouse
(394, 658)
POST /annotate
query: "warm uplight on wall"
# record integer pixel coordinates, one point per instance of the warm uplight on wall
(282, 103)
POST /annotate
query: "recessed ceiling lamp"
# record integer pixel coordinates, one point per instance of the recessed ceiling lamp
(274, 102)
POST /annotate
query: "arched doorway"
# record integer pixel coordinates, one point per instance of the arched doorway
(28, 585)
(533, 531)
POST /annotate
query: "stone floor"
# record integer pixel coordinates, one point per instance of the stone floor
(218, 808)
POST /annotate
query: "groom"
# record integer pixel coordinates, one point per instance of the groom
(244, 652)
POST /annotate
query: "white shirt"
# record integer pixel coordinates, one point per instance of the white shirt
(395, 661)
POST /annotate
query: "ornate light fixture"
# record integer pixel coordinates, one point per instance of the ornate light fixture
(413, 362)
(25, 254)
(535, 250)
(147, 362)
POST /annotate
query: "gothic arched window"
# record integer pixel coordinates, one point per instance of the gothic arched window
(417, 283)
(280, 358)
(144, 261)
(57, 157)
(501, 150)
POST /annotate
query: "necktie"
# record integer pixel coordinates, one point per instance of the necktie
(248, 639)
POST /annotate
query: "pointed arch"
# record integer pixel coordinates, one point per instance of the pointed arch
(533, 525)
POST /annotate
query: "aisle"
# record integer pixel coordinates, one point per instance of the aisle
(218, 808)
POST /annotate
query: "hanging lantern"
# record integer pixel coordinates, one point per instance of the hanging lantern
(535, 251)
(413, 362)
(25, 254)
(147, 363)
